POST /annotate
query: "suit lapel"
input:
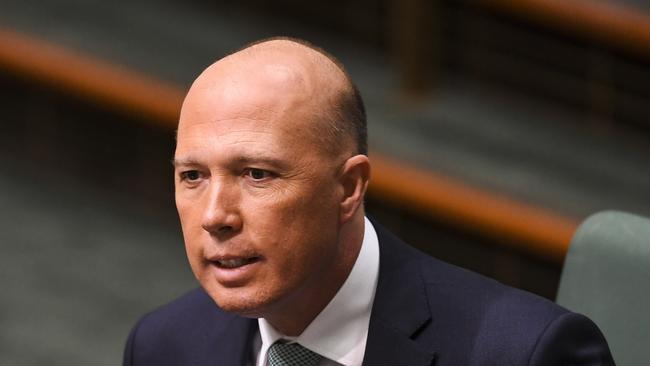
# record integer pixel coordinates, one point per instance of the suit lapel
(400, 309)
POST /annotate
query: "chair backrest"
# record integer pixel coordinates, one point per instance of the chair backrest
(606, 276)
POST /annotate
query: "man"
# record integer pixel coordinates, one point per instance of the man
(271, 169)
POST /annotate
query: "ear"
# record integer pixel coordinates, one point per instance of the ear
(354, 178)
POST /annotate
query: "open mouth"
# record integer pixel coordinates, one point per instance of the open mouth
(235, 263)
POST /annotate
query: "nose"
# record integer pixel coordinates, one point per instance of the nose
(221, 215)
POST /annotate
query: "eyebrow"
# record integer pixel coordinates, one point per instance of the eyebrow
(239, 160)
(183, 162)
(242, 160)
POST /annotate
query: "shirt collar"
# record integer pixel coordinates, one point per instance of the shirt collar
(340, 331)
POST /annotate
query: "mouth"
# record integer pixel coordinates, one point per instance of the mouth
(232, 271)
(234, 263)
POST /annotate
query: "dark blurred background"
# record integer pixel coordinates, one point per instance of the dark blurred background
(495, 127)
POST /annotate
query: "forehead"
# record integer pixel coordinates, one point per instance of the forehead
(232, 137)
(233, 119)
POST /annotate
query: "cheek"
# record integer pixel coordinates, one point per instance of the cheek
(190, 207)
(292, 214)
(194, 255)
(192, 232)
(297, 235)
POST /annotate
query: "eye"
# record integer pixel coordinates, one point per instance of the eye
(257, 174)
(190, 175)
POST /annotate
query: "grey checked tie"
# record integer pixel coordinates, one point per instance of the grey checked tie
(291, 354)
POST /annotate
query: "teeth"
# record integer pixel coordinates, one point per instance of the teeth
(233, 263)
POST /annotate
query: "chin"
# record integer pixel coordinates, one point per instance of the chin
(239, 301)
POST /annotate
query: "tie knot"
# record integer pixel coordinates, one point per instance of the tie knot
(291, 354)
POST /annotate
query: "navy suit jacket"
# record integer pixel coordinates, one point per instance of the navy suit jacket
(425, 312)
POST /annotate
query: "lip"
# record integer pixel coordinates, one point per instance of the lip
(234, 276)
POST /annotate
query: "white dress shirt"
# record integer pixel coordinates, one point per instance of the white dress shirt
(339, 333)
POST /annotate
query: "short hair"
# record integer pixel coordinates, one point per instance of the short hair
(347, 119)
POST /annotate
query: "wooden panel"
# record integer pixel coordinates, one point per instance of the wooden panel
(618, 25)
(526, 227)
(90, 78)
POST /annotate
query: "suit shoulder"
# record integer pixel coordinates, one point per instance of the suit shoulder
(482, 320)
(459, 288)
(572, 339)
(492, 315)
(488, 296)
(162, 336)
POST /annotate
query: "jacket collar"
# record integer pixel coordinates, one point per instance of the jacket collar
(401, 307)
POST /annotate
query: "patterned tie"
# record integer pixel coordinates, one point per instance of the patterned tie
(291, 354)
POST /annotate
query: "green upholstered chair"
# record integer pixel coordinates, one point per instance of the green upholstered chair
(606, 276)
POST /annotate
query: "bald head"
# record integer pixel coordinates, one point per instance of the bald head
(279, 75)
